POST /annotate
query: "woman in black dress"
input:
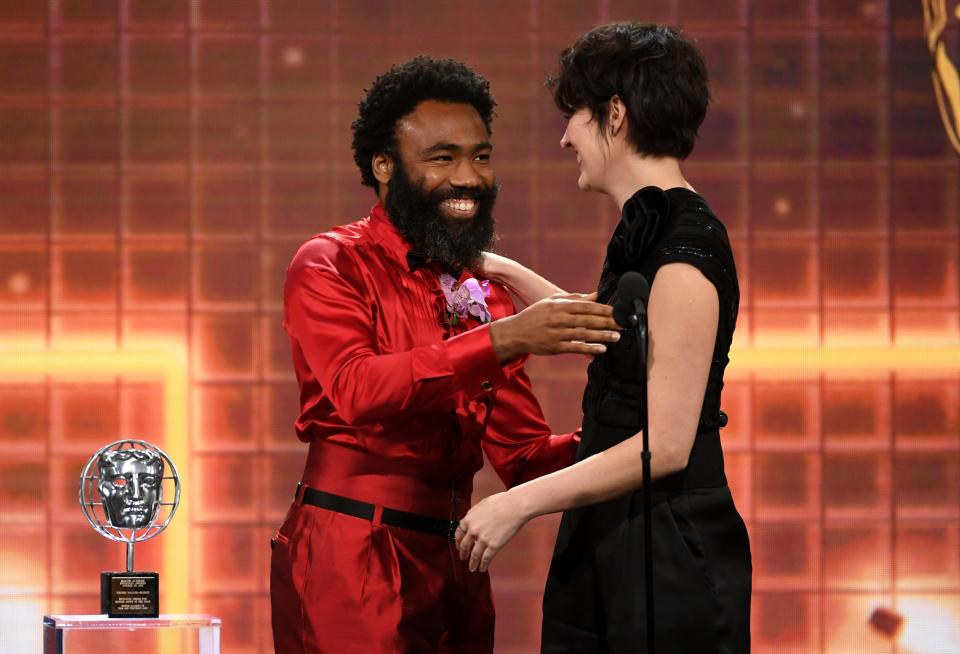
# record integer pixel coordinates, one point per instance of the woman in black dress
(635, 96)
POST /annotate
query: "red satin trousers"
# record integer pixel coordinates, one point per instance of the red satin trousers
(340, 584)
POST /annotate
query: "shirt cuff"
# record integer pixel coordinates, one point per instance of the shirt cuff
(475, 363)
(556, 453)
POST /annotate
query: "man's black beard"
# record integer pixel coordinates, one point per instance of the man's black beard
(419, 218)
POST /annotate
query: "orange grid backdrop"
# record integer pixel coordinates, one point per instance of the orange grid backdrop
(161, 161)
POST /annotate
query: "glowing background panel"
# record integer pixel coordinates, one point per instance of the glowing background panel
(160, 163)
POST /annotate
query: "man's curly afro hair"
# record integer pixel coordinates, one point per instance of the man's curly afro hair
(398, 91)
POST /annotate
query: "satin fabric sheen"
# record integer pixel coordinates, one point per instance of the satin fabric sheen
(399, 407)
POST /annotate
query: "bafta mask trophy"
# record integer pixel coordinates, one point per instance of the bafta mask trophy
(122, 497)
(937, 15)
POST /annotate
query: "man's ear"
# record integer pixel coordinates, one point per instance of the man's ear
(616, 115)
(382, 167)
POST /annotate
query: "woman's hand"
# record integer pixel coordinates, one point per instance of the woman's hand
(486, 528)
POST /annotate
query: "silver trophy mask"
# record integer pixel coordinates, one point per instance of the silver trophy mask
(129, 491)
(122, 492)
(131, 486)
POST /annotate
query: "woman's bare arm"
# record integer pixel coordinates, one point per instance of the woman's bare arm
(525, 284)
(684, 313)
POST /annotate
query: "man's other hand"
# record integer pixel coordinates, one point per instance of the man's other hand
(570, 323)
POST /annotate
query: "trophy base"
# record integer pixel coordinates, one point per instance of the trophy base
(130, 594)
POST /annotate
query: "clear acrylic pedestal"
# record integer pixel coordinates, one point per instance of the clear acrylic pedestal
(96, 634)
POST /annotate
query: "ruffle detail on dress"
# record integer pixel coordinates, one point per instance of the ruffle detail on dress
(640, 225)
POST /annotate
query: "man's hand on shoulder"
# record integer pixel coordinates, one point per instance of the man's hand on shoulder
(560, 324)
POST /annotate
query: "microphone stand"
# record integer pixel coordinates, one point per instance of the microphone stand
(640, 311)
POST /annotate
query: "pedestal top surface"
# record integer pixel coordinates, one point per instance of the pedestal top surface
(166, 620)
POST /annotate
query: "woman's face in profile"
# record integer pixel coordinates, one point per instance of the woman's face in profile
(583, 137)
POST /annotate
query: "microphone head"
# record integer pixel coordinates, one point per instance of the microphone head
(632, 286)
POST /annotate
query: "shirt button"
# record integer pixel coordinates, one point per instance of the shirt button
(486, 385)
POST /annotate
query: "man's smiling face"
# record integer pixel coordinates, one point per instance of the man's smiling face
(445, 147)
(441, 189)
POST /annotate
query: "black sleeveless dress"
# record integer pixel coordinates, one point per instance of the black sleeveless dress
(595, 599)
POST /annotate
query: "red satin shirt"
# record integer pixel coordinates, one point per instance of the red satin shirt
(393, 399)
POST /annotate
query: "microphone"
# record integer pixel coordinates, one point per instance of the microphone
(633, 291)
(630, 310)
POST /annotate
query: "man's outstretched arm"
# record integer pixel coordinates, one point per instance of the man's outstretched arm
(328, 312)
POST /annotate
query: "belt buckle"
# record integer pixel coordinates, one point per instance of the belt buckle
(452, 529)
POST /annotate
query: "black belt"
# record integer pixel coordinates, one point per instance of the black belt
(394, 517)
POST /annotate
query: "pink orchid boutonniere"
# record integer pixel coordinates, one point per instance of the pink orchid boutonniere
(468, 300)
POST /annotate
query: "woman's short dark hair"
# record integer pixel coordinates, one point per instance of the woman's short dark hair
(658, 74)
(398, 91)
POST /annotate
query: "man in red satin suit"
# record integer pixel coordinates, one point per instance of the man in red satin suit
(410, 368)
